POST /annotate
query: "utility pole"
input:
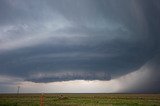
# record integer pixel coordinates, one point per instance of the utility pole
(42, 100)
(18, 90)
(17, 94)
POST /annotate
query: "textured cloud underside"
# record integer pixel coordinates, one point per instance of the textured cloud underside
(66, 76)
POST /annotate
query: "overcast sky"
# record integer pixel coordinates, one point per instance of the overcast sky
(103, 44)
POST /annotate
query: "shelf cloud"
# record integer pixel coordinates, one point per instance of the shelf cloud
(63, 40)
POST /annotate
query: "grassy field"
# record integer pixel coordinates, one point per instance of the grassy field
(81, 100)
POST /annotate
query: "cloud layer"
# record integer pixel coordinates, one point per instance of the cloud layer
(59, 40)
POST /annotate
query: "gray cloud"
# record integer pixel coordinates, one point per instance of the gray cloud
(77, 37)
(66, 76)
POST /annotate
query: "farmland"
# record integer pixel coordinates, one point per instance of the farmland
(69, 99)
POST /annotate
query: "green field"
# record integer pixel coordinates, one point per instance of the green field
(81, 99)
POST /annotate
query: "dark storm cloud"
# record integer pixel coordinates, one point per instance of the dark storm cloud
(40, 39)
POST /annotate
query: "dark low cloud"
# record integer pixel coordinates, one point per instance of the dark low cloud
(59, 40)
(66, 76)
(115, 60)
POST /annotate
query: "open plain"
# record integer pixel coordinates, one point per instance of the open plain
(80, 99)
